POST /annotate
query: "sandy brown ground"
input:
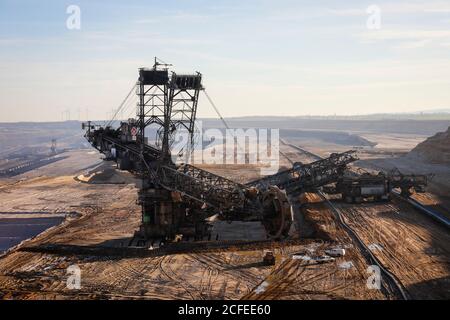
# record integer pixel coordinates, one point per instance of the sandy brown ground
(109, 217)
(411, 245)
(344, 278)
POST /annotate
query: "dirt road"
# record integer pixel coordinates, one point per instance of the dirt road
(412, 246)
(107, 216)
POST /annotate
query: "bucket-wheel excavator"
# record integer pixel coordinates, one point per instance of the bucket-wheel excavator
(177, 199)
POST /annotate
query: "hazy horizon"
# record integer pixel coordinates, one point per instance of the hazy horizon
(438, 115)
(258, 58)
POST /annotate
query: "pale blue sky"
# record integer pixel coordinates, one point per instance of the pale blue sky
(257, 57)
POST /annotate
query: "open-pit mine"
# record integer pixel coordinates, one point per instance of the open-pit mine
(118, 210)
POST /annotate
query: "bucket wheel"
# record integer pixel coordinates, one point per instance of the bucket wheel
(277, 218)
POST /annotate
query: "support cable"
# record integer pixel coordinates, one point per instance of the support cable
(121, 105)
(217, 110)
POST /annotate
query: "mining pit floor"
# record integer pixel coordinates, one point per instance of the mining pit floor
(101, 217)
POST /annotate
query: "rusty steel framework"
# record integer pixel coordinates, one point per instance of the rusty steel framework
(169, 102)
(304, 177)
(408, 182)
(366, 186)
(177, 199)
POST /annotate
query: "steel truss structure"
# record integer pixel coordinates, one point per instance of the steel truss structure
(176, 199)
(304, 177)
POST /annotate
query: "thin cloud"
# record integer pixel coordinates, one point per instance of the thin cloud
(431, 7)
(406, 39)
(390, 34)
(414, 44)
(183, 17)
